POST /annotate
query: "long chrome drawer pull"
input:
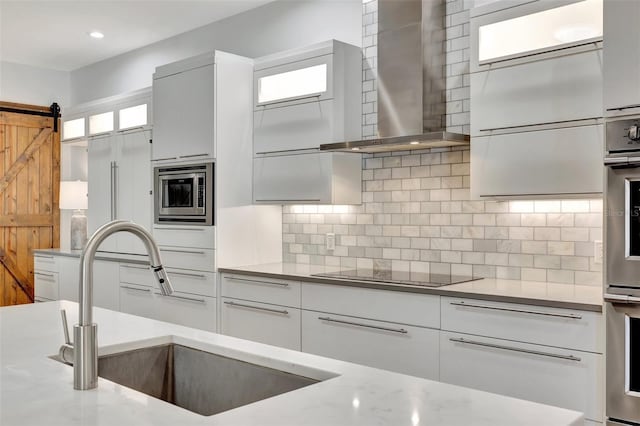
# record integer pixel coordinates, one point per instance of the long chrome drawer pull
(193, 155)
(181, 229)
(260, 200)
(166, 158)
(190, 299)
(509, 348)
(146, 290)
(182, 251)
(42, 274)
(229, 277)
(258, 308)
(620, 298)
(143, 268)
(357, 324)
(40, 256)
(184, 274)
(495, 308)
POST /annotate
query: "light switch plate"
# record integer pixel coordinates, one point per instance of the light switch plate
(330, 241)
(598, 251)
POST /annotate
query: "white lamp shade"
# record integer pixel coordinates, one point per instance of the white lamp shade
(73, 195)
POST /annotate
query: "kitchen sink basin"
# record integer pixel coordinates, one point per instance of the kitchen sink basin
(199, 381)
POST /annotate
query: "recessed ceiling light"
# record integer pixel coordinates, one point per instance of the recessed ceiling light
(355, 149)
(96, 34)
(414, 143)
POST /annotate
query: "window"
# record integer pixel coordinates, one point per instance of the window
(101, 123)
(293, 84)
(568, 24)
(73, 128)
(134, 116)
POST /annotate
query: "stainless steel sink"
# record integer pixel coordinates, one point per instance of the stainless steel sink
(199, 381)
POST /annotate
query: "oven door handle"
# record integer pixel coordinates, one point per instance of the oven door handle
(621, 298)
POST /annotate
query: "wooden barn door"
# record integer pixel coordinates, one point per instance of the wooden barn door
(29, 186)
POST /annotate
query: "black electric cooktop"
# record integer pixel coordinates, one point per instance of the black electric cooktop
(398, 277)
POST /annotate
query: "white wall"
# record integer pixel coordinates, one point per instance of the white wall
(277, 26)
(32, 85)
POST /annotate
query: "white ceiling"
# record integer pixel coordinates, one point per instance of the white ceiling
(54, 34)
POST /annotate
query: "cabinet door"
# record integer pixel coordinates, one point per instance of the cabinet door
(395, 347)
(558, 89)
(621, 54)
(546, 162)
(133, 193)
(293, 179)
(186, 309)
(46, 285)
(183, 108)
(302, 126)
(69, 274)
(106, 292)
(102, 181)
(137, 300)
(525, 371)
(261, 322)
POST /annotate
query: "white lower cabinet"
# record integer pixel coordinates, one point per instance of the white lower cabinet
(106, 293)
(46, 285)
(187, 309)
(179, 308)
(395, 347)
(261, 322)
(548, 375)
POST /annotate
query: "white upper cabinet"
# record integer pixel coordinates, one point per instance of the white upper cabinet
(306, 97)
(533, 28)
(536, 88)
(183, 108)
(621, 56)
(73, 129)
(101, 123)
(537, 27)
(133, 117)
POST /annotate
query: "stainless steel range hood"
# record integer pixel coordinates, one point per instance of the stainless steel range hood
(410, 80)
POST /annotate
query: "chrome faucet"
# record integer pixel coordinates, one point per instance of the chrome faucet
(85, 333)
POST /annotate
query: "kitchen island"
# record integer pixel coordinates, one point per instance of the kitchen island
(37, 390)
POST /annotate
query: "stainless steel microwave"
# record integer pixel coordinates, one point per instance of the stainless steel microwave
(184, 194)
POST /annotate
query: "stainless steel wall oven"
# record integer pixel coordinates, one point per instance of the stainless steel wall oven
(622, 271)
(184, 194)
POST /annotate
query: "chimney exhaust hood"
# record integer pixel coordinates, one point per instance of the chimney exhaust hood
(410, 80)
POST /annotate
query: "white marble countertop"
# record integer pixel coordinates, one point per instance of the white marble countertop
(569, 296)
(36, 390)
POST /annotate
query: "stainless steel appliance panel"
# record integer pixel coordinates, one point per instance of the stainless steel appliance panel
(622, 224)
(184, 194)
(623, 362)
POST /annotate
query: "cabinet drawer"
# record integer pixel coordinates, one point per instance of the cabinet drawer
(563, 328)
(404, 308)
(562, 88)
(188, 258)
(43, 262)
(136, 274)
(187, 309)
(302, 126)
(195, 282)
(531, 372)
(266, 290)
(400, 348)
(137, 300)
(46, 284)
(185, 236)
(545, 162)
(260, 322)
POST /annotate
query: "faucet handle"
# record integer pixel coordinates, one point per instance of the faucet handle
(65, 327)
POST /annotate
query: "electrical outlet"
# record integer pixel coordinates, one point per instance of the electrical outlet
(330, 241)
(598, 251)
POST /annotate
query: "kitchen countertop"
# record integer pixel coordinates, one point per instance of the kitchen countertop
(36, 390)
(568, 296)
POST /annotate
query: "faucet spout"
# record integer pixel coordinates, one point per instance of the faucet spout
(85, 364)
